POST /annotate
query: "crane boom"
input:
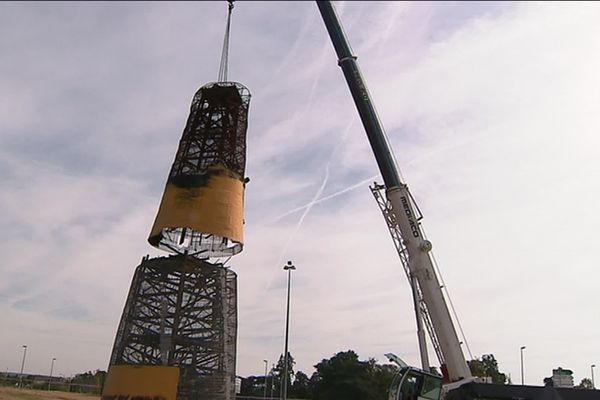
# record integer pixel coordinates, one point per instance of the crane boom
(418, 248)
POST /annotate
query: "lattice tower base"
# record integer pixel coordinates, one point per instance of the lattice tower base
(182, 311)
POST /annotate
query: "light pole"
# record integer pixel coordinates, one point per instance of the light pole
(289, 267)
(522, 379)
(265, 392)
(22, 366)
(51, 369)
(593, 383)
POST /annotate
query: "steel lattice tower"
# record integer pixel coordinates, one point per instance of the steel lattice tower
(177, 336)
(181, 311)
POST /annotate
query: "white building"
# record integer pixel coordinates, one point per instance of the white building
(562, 377)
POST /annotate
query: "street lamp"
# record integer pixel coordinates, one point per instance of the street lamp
(265, 392)
(51, 369)
(522, 380)
(289, 267)
(22, 365)
(593, 383)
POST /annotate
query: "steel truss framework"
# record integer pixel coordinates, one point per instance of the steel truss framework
(213, 143)
(215, 132)
(182, 312)
(385, 206)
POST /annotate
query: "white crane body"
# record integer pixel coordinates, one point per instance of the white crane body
(421, 267)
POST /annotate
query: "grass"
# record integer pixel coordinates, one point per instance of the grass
(9, 393)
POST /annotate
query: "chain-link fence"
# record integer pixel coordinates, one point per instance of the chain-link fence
(45, 383)
(61, 384)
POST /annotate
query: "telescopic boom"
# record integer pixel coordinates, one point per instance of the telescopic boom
(420, 263)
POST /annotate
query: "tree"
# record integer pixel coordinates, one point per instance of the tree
(477, 368)
(279, 371)
(340, 377)
(586, 383)
(381, 379)
(301, 388)
(345, 377)
(491, 369)
(487, 366)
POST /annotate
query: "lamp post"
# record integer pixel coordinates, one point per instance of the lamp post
(289, 267)
(593, 383)
(522, 379)
(22, 366)
(265, 392)
(51, 369)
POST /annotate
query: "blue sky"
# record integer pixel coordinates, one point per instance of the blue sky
(491, 109)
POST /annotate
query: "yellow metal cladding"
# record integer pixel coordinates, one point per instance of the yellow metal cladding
(150, 382)
(216, 208)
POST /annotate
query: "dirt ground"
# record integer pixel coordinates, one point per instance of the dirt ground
(9, 393)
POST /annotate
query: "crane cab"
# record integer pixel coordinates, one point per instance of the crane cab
(414, 384)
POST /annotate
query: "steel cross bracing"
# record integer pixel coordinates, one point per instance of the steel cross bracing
(215, 132)
(390, 219)
(213, 144)
(182, 312)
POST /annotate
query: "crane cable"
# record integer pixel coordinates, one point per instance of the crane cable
(225, 52)
(454, 313)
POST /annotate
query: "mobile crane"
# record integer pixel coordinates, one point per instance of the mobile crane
(403, 218)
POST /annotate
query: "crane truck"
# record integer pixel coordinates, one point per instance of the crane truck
(404, 222)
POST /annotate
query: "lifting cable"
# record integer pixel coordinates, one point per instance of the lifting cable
(225, 52)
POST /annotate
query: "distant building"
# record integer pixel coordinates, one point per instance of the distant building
(562, 378)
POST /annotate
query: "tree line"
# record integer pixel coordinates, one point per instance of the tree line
(345, 377)
(342, 376)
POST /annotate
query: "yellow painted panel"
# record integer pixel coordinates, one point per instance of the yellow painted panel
(141, 381)
(216, 208)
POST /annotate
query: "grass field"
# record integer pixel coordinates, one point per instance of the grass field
(9, 393)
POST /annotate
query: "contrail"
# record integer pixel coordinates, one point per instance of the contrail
(307, 209)
(363, 182)
(328, 197)
(315, 200)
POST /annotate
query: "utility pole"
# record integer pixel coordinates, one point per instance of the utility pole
(265, 392)
(22, 366)
(522, 379)
(51, 369)
(289, 267)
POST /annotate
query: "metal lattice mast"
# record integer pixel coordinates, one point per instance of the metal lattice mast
(378, 192)
(182, 312)
(201, 212)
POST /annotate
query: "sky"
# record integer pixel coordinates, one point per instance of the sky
(491, 110)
